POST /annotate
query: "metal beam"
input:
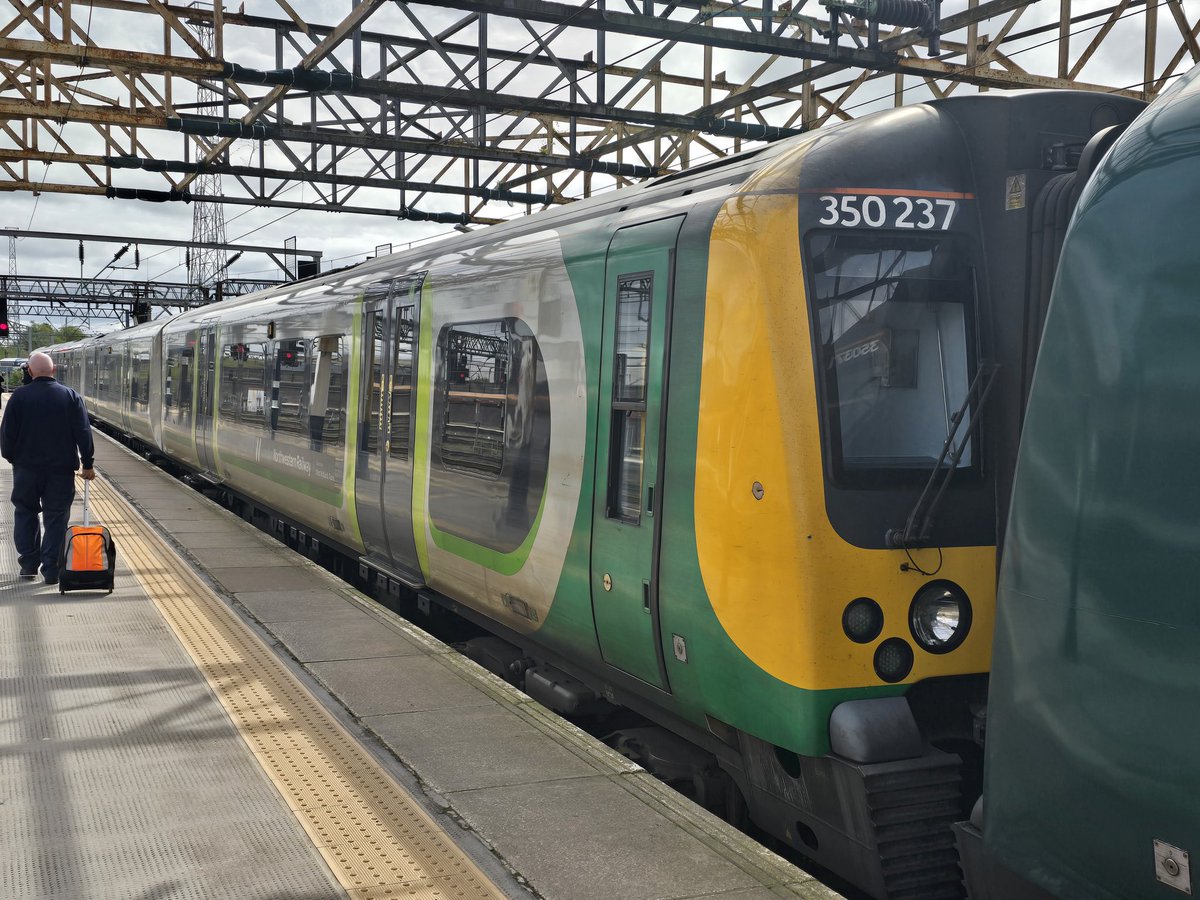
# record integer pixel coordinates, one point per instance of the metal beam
(152, 242)
(472, 98)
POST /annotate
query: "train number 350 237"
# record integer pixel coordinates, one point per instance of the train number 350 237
(874, 211)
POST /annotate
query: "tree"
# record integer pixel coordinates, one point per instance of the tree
(41, 334)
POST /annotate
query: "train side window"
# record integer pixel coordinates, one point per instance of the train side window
(629, 397)
(178, 395)
(109, 388)
(243, 383)
(490, 450)
(289, 388)
(326, 400)
(139, 380)
(474, 366)
(402, 383)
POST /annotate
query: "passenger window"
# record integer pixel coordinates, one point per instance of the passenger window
(244, 396)
(475, 363)
(628, 438)
(139, 380)
(326, 400)
(491, 437)
(289, 388)
(177, 396)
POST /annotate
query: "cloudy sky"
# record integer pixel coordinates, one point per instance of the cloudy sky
(344, 238)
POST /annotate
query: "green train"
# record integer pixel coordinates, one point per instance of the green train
(725, 449)
(1091, 765)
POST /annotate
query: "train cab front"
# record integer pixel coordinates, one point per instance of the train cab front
(844, 302)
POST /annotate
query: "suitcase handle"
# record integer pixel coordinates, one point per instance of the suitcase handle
(87, 516)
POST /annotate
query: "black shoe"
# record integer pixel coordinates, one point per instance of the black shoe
(29, 574)
(51, 579)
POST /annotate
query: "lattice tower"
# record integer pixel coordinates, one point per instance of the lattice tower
(206, 265)
(14, 309)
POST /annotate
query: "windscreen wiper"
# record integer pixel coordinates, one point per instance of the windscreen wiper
(919, 524)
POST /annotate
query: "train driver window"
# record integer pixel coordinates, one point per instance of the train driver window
(893, 318)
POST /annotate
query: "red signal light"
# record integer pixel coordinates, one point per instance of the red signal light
(3, 328)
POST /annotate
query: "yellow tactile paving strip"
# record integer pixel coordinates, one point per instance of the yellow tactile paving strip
(375, 838)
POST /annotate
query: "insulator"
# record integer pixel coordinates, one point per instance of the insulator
(905, 13)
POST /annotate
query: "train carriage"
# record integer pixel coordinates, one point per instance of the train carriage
(725, 448)
(1091, 777)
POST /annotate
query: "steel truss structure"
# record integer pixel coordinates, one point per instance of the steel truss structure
(473, 111)
(114, 300)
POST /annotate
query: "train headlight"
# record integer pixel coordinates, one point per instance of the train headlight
(940, 616)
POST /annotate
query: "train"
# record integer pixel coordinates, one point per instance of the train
(1091, 773)
(728, 449)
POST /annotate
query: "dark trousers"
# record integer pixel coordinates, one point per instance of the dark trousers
(51, 492)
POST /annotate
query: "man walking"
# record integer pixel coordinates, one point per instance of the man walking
(45, 435)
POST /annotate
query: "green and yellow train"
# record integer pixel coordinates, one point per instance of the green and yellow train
(724, 449)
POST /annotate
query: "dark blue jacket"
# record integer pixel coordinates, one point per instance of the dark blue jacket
(45, 425)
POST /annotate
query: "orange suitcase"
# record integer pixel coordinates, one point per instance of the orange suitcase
(89, 557)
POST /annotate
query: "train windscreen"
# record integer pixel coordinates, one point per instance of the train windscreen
(893, 317)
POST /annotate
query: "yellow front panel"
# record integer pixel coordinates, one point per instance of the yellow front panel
(777, 574)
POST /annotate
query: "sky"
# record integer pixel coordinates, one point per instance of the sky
(345, 238)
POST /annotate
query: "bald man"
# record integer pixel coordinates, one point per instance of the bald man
(45, 435)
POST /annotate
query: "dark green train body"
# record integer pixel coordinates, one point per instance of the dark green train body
(682, 448)
(1092, 778)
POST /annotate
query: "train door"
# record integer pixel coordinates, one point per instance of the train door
(627, 510)
(384, 471)
(206, 340)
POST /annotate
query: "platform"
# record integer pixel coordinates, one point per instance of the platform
(235, 722)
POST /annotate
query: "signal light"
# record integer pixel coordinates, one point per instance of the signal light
(862, 620)
(893, 660)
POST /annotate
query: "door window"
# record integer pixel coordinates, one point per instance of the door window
(373, 397)
(402, 384)
(627, 448)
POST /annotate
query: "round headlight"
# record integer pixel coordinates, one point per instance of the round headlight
(862, 620)
(940, 616)
(893, 660)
